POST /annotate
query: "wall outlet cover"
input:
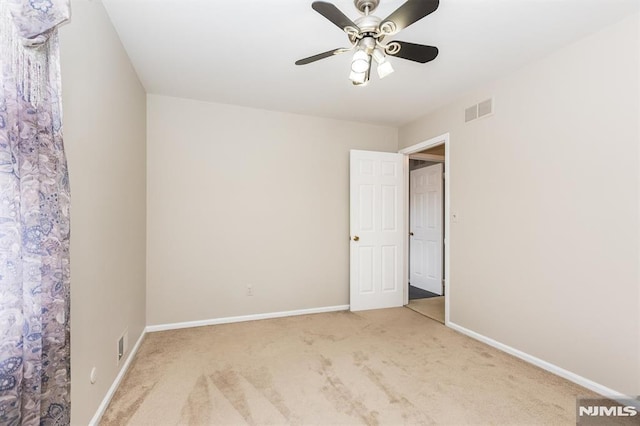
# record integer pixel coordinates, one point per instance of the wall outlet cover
(93, 376)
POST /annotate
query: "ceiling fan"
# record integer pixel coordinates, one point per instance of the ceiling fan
(367, 33)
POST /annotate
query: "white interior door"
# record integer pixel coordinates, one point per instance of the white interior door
(377, 228)
(425, 228)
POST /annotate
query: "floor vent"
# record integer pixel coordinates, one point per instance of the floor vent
(482, 109)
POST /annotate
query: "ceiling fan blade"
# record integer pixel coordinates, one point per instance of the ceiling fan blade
(410, 12)
(333, 14)
(320, 56)
(415, 52)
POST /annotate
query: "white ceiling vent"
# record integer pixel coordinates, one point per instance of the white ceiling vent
(482, 109)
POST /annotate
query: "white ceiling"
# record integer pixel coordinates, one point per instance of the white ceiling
(243, 51)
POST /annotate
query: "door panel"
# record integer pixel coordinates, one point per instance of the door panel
(365, 257)
(389, 269)
(426, 224)
(389, 208)
(367, 198)
(378, 221)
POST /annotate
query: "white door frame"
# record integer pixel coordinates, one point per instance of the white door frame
(439, 140)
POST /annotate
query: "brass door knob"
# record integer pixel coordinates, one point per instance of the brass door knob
(356, 238)
(411, 233)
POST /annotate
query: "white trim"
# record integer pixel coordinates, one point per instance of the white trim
(552, 368)
(638, 236)
(114, 386)
(439, 140)
(243, 318)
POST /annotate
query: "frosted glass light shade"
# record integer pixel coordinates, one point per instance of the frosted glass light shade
(384, 69)
(358, 77)
(360, 62)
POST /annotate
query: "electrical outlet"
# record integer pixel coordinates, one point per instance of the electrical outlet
(249, 290)
(93, 376)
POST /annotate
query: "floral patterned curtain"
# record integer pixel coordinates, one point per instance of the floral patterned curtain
(34, 218)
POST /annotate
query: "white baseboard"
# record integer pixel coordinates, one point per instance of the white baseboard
(242, 318)
(558, 371)
(114, 386)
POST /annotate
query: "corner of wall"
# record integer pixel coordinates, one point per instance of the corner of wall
(105, 142)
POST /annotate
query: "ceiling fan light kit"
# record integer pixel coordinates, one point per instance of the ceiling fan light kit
(361, 61)
(367, 33)
(384, 66)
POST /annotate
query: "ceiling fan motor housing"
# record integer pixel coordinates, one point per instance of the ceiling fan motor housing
(368, 25)
(367, 44)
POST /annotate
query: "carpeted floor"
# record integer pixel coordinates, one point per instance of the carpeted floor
(390, 366)
(432, 307)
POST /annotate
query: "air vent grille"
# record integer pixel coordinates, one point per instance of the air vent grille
(479, 110)
(470, 113)
(485, 108)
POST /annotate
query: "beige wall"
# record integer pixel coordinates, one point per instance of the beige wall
(240, 196)
(545, 253)
(548, 227)
(104, 119)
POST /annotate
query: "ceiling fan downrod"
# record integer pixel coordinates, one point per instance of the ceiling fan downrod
(366, 6)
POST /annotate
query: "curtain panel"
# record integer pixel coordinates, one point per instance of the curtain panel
(34, 218)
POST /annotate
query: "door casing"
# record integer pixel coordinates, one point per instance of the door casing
(438, 140)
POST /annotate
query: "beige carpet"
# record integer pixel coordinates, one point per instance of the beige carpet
(432, 307)
(390, 366)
